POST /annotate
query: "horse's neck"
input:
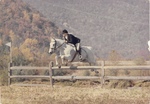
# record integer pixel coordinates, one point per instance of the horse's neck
(65, 46)
(59, 41)
(61, 44)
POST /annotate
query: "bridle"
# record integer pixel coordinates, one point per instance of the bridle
(55, 48)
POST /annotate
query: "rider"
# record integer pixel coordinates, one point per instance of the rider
(69, 38)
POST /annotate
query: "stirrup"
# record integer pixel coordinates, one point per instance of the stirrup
(80, 57)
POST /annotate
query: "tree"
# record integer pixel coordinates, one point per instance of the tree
(29, 49)
(26, 15)
(114, 57)
(35, 17)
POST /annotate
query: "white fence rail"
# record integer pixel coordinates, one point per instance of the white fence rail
(102, 68)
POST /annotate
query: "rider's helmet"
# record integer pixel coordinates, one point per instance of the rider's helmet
(64, 31)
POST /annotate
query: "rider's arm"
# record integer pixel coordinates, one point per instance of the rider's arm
(66, 39)
(70, 38)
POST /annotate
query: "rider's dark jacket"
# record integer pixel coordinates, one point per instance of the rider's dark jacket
(72, 39)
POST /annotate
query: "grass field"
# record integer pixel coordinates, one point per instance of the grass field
(73, 95)
(80, 92)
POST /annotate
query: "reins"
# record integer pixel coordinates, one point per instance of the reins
(58, 46)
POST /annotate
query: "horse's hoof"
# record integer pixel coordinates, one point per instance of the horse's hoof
(92, 70)
(96, 72)
(59, 66)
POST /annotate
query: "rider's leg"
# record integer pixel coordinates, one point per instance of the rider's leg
(78, 46)
(78, 50)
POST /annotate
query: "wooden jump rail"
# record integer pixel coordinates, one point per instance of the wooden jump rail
(102, 78)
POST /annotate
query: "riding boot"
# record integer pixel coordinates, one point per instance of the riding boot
(79, 52)
(80, 56)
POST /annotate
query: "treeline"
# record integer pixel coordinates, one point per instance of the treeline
(28, 30)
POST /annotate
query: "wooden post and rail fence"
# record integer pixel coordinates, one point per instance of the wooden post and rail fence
(102, 68)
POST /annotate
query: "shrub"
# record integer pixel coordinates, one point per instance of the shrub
(113, 72)
(114, 57)
(86, 73)
(139, 61)
(60, 72)
(3, 77)
(119, 84)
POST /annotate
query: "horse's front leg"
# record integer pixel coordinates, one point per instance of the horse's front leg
(56, 59)
(62, 59)
(67, 57)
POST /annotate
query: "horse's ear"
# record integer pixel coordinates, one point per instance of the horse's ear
(51, 38)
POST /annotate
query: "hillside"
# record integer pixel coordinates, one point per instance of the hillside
(106, 25)
(27, 29)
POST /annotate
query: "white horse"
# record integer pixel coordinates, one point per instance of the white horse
(67, 52)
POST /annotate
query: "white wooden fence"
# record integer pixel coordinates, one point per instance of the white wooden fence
(101, 69)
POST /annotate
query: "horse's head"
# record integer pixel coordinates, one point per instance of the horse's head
(55, 45)
(52, 46)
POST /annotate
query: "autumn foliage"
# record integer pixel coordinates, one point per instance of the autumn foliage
(28, 30)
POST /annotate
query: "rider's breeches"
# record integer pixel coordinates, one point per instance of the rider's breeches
(77, 46)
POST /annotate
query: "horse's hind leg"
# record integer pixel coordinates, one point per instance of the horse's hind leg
(91, 65)
(93, 68)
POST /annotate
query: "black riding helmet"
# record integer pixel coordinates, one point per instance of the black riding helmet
(65, 31)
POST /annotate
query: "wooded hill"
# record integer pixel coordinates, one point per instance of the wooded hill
(28, 30)
(106, 25)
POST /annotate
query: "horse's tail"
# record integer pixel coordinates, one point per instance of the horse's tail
(96, 55)
(93, 53)
(90, 55)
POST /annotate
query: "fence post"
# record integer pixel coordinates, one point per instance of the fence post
(9, 73)
(51, 73)
(102, 74)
